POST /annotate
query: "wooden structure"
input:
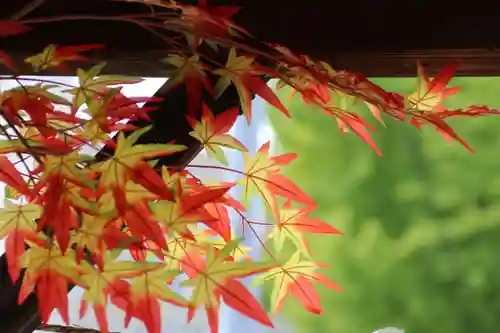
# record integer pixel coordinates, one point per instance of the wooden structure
(382, 38)
(376, 38)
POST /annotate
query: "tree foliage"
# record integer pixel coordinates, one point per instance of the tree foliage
(67, 218)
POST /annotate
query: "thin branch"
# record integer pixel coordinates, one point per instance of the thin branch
(68, 329)
(28, 8)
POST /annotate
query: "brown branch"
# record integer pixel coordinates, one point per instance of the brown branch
(28, 8)
(68, 329)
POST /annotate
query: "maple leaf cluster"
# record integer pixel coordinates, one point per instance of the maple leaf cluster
(67, 219)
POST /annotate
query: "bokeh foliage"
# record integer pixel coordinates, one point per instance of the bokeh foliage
(421, 223)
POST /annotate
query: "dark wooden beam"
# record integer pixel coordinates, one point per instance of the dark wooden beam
(381, 38)
(474, 62)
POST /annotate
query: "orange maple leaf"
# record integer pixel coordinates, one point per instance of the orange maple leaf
(56, 56)
(99, 283)
(243, 73)
(296, 277)
(210, 22)
(17, 223)
(262, 175)
(212, 130)
(430, 93)
(191, 72)
(215, 278)
(50, 271)
(13, 178)
(293, 223)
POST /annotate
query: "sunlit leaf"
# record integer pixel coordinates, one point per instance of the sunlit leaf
(212, 130)
(215, 278)
(295, 277)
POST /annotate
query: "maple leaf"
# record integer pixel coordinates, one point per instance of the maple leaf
(7, 61)
(66, 187)
(359, 126)
(59, 212)
(430, 93)
(66, 166)
(375, 111)
(208, 238)
(191, 72)
(217, 208)
(98, 283)
(293, 223)
(296, 277)
(348, 121)
(95, 233)
(11, 193)
(114, 172)
(261, 175)
(171, 215)
(10, 27)
(176, 181)
(41, 91)
(215, 278)
(187, 210)
(220, 221)
(16, 221)
(50, 270)
(17, 146)
(244, 75)
(108, 108)
(11, 177)
(134, 194)
(142, 224)
(145, 291)
(425, 102)
(91, 85)
(207, 22)
(36, 101)
(56, 56)
(211, 132)
(178, 248)
(143, 174)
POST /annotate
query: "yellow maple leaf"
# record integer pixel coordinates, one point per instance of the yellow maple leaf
(91, 83)
(296, 277)
(214, 278)
(293, 223)
(128, 155)
(430, 93)
(212, 130)
(244, 75)
(18, 217)
(262, 176)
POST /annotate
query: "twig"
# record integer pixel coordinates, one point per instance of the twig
(21, 138)
(68, 329)
(28, 8)
(22, 159)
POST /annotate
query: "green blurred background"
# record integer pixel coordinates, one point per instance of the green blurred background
(421, 223)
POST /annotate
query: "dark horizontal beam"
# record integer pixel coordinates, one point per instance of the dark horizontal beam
(380, 38)
(474, 62)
